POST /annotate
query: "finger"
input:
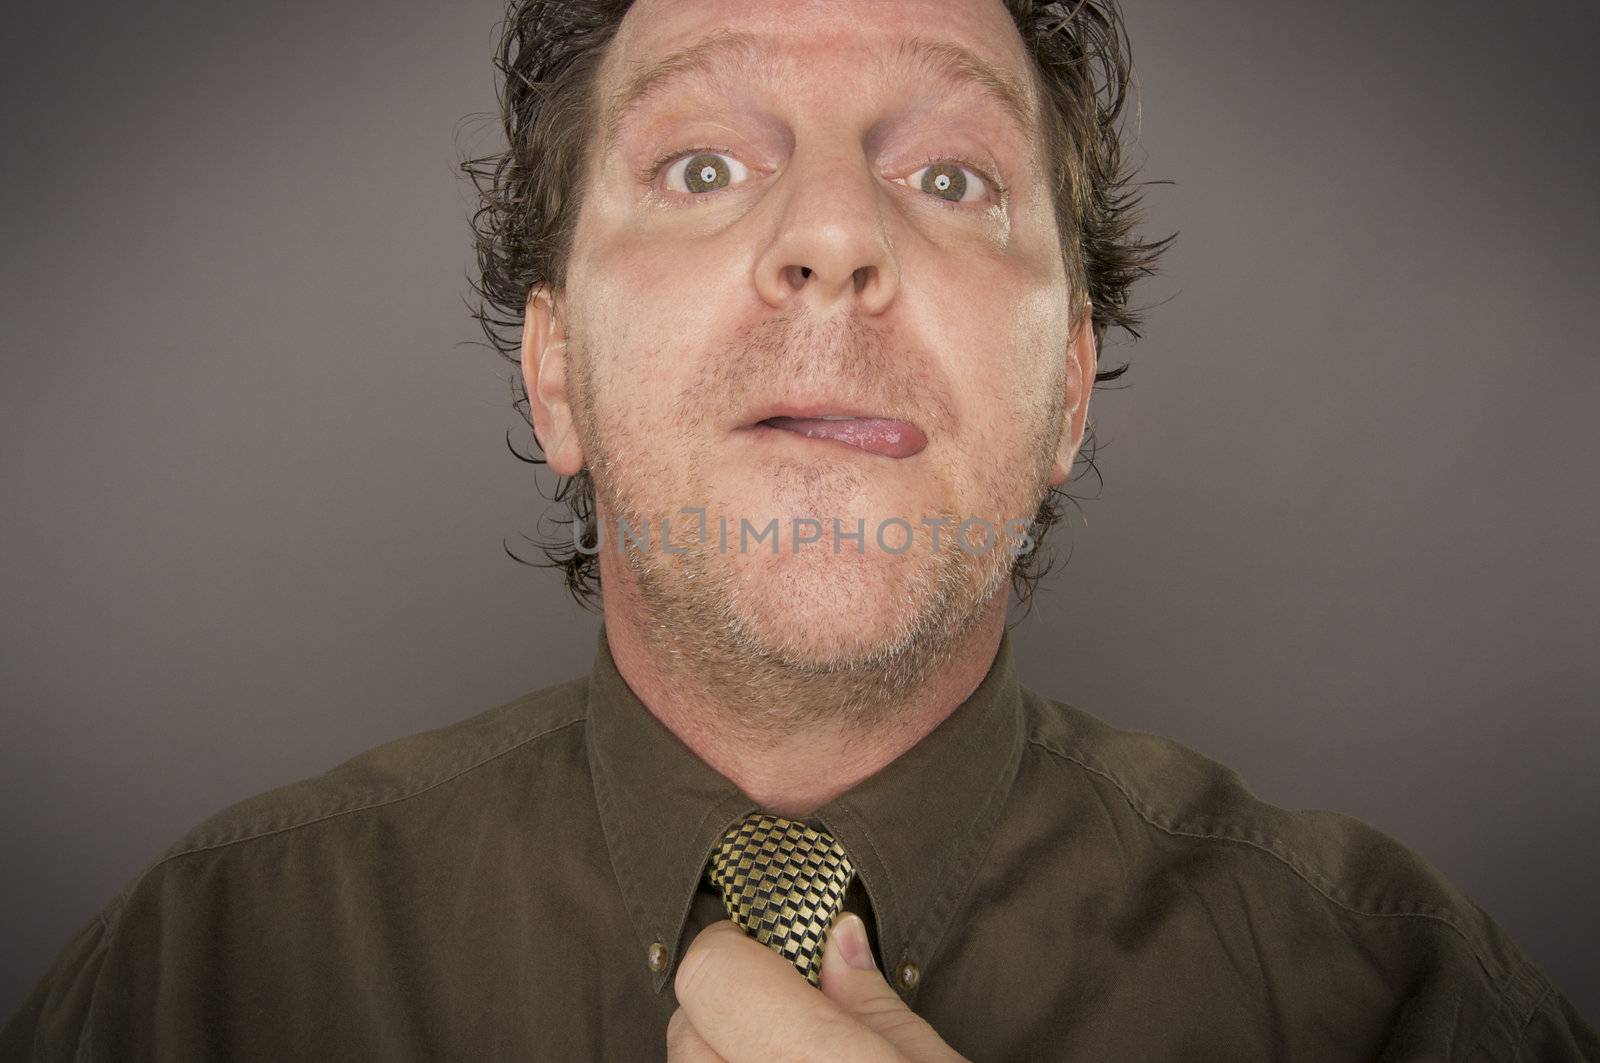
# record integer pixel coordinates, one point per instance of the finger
(864, 995)
(750, 1004)
(684, 1043)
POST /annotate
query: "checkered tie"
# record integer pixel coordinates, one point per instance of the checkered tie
(783, 882)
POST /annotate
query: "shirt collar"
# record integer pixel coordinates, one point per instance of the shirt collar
(916, 831)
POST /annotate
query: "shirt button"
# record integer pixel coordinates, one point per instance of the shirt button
(907, 975)
(657, 957)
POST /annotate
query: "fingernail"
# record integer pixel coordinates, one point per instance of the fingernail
(851, 934)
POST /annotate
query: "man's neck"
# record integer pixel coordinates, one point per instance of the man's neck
(750, 736)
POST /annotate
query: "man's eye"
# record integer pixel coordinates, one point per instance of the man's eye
(948, 180)
(705, 171)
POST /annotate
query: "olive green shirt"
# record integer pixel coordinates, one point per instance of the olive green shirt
(1038, 885)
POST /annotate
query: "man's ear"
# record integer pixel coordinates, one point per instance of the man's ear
(544, 374)
(1082, 360)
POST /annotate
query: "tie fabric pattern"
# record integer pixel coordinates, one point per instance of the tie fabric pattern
(783, 882)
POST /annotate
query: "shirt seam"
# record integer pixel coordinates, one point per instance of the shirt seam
(1519, 1026)
(1522, 1028)
(86, 1046)
(940, 916)
(1303, 873)
(892, 901)
(938, 913)
(365, 802)
(109, 916)
(675, 927)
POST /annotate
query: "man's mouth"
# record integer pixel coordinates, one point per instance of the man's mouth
(876, 435)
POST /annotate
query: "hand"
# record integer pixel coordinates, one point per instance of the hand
(741, 1002)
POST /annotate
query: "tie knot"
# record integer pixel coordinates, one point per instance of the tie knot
(783, 882)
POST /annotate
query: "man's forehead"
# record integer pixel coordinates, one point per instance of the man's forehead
(654, 29)
(659, 37)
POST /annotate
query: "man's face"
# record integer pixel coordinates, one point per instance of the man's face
(825, 235)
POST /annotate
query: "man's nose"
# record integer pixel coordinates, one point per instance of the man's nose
(830, 241)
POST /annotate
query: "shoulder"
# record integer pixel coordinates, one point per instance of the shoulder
(542, 724)
(1334, 866)
(257, 892)
(268, 877)
(1177, 791)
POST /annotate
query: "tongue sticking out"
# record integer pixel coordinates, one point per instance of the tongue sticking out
(879, 435)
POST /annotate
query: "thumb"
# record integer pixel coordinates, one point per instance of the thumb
(850, 978)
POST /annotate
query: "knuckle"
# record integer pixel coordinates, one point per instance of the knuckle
(889, 1010)
(699, 960)
(693, 970)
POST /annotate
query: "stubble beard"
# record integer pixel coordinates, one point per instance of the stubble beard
(716, 631)
(724, 634)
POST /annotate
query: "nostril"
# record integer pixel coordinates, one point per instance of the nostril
(805, 271)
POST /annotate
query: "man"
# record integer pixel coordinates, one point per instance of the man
(807, 299)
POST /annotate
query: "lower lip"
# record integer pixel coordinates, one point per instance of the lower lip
(875, 435)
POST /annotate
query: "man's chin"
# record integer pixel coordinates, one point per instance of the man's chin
(825, 643)
(814, 611)
(839, 616)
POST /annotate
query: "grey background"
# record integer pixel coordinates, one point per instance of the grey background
(255, 489)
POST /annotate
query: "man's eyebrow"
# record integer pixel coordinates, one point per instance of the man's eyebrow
(945, 59)
(958, 63)
(695, 60)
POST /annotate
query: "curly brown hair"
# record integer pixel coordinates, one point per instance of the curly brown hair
(549, 56)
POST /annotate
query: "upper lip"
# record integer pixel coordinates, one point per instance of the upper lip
(787, 408)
